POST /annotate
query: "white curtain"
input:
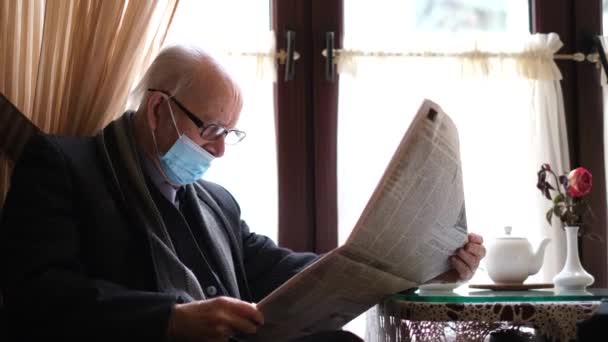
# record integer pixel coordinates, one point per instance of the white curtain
(505, 97)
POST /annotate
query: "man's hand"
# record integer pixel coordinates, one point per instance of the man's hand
(465, 261)
(213, 320)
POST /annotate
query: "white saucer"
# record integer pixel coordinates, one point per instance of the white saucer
(439, 287)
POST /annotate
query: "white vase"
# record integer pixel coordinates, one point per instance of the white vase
(573, 277)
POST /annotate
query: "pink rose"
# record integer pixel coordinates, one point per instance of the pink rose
(579, 182)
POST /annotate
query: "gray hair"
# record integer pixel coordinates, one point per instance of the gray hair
(173, 70)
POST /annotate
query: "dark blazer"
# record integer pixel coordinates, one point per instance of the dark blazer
(74, 267)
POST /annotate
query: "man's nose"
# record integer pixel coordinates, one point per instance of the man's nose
(215, 147)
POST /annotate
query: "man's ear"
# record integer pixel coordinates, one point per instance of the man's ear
(155, 100)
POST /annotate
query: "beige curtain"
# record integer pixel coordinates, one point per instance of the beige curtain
(69, 64)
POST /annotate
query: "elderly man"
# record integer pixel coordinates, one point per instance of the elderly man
(116, 237)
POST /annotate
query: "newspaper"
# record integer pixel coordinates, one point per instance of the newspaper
(413, 222)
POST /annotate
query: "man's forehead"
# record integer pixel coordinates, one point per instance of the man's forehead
(213, 95)
(223, 111)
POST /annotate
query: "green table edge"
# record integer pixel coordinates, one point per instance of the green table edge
(469, 295)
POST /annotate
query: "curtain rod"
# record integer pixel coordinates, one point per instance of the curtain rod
(281, 55)
(577, 57)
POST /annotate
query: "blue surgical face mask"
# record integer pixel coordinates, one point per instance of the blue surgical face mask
(185, 162)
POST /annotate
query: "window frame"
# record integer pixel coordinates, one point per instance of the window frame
(306, 119)
(576, 22)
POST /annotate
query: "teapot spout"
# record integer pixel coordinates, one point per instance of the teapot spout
(537, 260)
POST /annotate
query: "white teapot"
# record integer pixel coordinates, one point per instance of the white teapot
(510, 260)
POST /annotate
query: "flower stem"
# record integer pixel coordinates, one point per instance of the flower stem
(557, 183)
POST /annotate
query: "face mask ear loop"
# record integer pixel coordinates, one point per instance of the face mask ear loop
(179, 134)
(155, 143)
(159, 156)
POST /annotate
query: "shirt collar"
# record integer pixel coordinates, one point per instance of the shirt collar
(167, 189)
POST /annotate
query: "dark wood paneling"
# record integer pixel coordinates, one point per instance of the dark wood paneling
(576, 22)
(306, 122)
(293, 108)
(557, 16)
(589, 147)
(327, 16)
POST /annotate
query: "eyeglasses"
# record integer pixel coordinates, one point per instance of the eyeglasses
(211, 131)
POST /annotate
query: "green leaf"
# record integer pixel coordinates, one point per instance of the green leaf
(558, 198)
(559, 209)
(549, 215)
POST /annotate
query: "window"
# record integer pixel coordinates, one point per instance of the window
(387, 93)
(387, 99)
(390, 99)
(248, 169)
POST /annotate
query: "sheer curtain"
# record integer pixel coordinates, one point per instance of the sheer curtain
(237, 33)
(504, 95)
(20, 36)
(505, 98)
(68, 65)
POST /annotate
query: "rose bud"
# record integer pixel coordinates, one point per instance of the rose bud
(579, 182)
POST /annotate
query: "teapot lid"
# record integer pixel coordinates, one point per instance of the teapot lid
(508, 235)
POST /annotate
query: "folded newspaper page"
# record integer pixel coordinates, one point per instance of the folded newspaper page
(414, 220)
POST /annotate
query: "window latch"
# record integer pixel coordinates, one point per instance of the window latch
(329, 53)
(290, 56)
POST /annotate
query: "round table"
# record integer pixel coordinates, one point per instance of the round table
(471, 315)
